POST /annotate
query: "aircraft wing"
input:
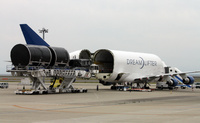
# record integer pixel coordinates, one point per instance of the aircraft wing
(181, 75)
(165, 77)
(146, 79)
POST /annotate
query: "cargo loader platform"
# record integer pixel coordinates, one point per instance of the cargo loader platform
(61, 82)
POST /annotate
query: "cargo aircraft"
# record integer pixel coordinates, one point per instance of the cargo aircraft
(121, 66)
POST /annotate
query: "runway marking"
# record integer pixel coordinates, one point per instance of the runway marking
(96, 95)
(83, 112)
(27, 108)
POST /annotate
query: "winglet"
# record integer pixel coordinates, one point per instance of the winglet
(31, 37)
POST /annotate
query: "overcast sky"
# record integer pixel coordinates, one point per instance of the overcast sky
(167, 28)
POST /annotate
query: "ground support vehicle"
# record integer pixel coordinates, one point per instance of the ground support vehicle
(3, 85)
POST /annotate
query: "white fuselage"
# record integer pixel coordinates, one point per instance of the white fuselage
(127, 66)
(123, 66)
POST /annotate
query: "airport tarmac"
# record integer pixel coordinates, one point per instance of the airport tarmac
(103, 106)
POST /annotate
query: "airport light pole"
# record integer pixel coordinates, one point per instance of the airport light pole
(43, 31)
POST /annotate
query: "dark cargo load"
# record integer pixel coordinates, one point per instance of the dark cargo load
(60, 56)
(24, 55)
(35, 55)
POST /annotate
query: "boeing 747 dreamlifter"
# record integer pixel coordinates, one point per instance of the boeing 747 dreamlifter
(116, 66)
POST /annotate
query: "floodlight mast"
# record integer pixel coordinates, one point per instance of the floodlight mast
(43, 31)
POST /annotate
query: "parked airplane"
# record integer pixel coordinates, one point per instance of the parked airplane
(121, 66)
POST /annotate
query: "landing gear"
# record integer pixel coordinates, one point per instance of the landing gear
(132, 87)
(145, 86)
(142, 85)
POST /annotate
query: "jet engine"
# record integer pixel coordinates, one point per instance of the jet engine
(172, 82)
(189, 80)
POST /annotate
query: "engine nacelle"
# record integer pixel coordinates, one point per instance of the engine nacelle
(189, 80)
(172, 82)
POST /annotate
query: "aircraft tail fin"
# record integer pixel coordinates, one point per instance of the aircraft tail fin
(31, 37)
